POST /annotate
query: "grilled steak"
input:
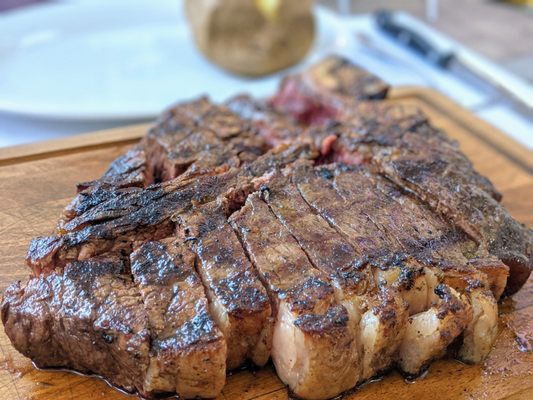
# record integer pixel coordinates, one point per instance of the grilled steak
(326, 229)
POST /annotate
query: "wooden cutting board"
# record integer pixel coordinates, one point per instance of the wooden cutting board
(38, 180)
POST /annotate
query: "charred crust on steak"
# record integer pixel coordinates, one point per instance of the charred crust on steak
(335, 317)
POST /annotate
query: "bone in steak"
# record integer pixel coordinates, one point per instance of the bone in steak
(325, 228)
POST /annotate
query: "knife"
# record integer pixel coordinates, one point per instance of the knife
(459, 63)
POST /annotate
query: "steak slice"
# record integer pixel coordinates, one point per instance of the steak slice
(414, 232)
(312, 342)
(94, 319)
(132, 216)
(188, 351)
(448, 246)
(476, 212)
(408, 130)
(346, 217)
(90, 319)
(444, 179)
(239, 302)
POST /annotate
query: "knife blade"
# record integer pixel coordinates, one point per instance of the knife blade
(458, 63)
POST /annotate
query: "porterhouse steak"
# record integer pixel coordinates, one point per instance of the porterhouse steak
(325, 228)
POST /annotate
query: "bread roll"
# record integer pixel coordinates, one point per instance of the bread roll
(252, 37)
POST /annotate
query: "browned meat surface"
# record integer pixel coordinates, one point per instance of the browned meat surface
(128, 170)
(199, 136)
(90, 319)
(187, 350)
(336, 234)
(349, 199)
(116, 224)
(377, 316)
(133, 215)
(157, 337)
(239, 302)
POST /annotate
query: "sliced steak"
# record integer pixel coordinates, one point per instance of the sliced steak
(188, 351)
(443, 178)
(414, 232)
(94, 319)
(338, 234)
(90, 319)
(432, 240)
(348, 198)
(238, 300)
(313, 342)
(353, 224)
(133, 215)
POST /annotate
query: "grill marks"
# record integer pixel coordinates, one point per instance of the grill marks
(128, 170)
(356, 227)
(153, 335)
(132, 216)
(376, 318)
(238, 301)
(402, 145)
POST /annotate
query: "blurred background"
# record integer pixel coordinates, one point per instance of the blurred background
(73, 66)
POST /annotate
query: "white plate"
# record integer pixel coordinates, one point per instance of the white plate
(108, 60)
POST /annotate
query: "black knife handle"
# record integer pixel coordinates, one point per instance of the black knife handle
(413, 40)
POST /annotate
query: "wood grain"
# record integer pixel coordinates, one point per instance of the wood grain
(37, 181)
